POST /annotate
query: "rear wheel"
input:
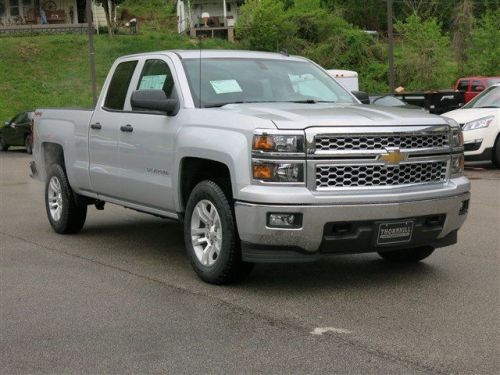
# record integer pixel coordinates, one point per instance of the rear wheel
(66, 210)
(28, 144)
(496, 153)
(407, 255)
(210, 236)
(3, 145)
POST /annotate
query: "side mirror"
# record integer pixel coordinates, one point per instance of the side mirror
(6, 123)
(154, 100)
(361, 96)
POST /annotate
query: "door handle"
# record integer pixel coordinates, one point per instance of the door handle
(127, 128)
(96, 126)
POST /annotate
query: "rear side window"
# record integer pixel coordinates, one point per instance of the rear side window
(476, 85)
(463, 85)
(156, 75)
(118, 87)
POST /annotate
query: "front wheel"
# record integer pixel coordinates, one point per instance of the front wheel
(407, 255)
(65, 211)
(3, 145)
(210, 236)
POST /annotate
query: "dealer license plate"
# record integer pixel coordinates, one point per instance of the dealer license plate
(395, 232)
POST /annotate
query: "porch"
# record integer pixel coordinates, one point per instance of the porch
(208, 18)
(26, 16)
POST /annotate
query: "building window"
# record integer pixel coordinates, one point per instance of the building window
(14, 8)
(2, 8)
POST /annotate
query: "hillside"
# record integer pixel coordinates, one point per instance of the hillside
(53, 70)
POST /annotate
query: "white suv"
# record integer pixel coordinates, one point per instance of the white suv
(480, 122)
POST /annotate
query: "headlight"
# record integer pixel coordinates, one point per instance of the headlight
(457, 165)
(270, 171)
(478, 124)
(457, 138)
(278, 143)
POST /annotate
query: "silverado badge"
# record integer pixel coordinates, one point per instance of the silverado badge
(393, 156)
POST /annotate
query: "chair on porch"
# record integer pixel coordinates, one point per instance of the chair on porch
(30, 17)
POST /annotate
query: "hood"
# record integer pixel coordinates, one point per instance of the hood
(470, 114)
(301, 116)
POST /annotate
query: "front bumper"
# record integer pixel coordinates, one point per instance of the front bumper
(314, 237)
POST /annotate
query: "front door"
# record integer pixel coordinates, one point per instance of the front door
(104, 133)
(147, 143)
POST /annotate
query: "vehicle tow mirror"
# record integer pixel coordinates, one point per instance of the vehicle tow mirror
(12, 124)
(154, 100)
(361, 96)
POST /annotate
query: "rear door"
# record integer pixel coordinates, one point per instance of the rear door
(104, 132)
(147, 140)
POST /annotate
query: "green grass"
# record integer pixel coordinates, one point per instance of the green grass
(53, 70)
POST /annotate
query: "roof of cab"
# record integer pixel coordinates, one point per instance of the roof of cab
(218, 53)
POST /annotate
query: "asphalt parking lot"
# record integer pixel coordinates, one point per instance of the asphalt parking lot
(120, 297)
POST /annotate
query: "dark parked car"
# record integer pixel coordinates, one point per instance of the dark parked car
(17, 132)
(391, 101)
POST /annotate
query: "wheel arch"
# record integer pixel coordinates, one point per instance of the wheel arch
(193, 170)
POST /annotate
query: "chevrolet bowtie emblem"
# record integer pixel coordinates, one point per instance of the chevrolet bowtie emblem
(393, 157)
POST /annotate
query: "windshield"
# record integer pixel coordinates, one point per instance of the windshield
(225, 81)
(489, 98)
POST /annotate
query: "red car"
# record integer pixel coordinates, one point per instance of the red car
(472, 86)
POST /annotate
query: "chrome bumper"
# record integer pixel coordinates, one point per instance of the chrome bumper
(252, 219)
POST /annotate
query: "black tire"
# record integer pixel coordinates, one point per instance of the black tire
(407, 255)
(73, 208)
(3, 145)
(28, 144)
(496, 153)
(228, 266)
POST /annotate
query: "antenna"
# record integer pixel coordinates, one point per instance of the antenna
(199, 46)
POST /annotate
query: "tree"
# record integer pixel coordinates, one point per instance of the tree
(484, 46)
(264, 25)
(422, 55)
(463, 21)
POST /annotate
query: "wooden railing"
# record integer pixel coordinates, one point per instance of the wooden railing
(50, 28)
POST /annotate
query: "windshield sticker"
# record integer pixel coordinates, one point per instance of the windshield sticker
(226, 86)
(153, 82)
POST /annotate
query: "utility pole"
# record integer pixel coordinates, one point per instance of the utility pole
(390, 37)
(90, 30)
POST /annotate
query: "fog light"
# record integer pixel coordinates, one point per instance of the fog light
(464, 207)
(284, 220)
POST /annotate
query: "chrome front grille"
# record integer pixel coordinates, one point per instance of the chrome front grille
(357, 176)
(377, 157)
(380, 142)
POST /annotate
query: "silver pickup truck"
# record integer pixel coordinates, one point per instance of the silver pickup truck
(263, 157)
